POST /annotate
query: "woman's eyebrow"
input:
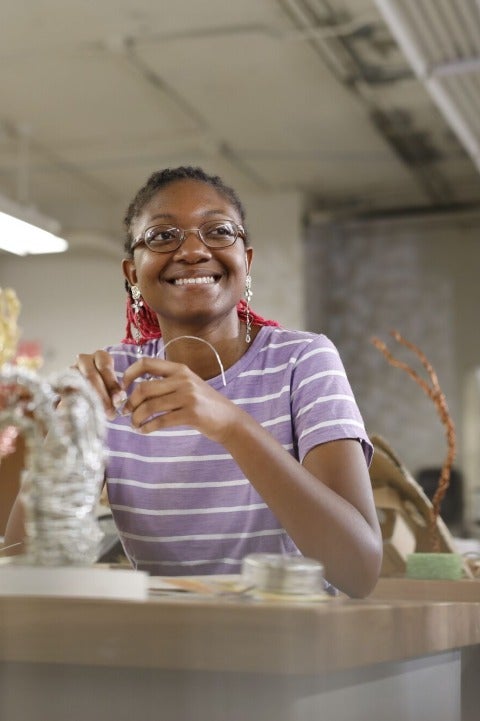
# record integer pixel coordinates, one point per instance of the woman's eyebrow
(167, 216)
(171, 216)
(214, 212)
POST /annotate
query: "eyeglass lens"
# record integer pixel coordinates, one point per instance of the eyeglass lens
(164, 238)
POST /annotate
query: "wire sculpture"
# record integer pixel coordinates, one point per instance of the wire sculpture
(432, 389)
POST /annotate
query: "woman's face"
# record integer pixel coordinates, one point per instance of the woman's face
(165, 279)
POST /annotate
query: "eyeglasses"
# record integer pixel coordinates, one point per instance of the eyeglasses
(167, 238)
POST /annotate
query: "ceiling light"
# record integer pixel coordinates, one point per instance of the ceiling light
(25, 231)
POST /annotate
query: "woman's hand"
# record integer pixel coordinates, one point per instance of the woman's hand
(174, 395)
(98, 368)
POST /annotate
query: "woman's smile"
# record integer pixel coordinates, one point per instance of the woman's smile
(194, 279)
(203, 280)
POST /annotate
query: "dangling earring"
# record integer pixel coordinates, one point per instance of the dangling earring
(136, 303)
(248, 298)
(137, 298)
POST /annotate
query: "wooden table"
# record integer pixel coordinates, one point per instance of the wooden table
(237, 660)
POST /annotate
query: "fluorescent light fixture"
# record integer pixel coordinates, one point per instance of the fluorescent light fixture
(25, 231)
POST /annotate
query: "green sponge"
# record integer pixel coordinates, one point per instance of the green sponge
(435, 565)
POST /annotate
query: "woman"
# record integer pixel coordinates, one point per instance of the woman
(227, 434)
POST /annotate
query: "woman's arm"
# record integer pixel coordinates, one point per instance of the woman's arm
(326, 505)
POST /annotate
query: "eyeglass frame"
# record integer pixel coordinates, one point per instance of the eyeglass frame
(240, 231)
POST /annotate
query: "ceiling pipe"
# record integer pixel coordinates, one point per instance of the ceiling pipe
(459, 67)
(401, 31)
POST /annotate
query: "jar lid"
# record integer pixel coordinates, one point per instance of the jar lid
(283, 573)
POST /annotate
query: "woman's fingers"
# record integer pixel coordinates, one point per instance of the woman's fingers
(151, 398)
(146, 368)
(181, 398)
(98, 369)
(163, 394)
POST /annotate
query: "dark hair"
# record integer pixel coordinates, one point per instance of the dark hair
(162, 178)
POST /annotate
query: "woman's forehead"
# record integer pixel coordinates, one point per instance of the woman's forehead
(188, 197)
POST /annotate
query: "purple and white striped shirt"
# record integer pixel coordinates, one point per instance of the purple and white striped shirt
(180, 502)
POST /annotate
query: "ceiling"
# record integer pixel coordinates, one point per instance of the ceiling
(364, 106)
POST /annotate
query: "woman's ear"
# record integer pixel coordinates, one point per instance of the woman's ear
(129, 271)
(248, 259)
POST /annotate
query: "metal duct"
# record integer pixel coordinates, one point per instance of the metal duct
(441, 41)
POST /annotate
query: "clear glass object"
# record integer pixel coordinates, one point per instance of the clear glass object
(283, 574)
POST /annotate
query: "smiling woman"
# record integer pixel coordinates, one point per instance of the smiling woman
(249, 440)
(153, 222)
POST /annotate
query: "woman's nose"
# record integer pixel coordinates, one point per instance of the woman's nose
(193, 246)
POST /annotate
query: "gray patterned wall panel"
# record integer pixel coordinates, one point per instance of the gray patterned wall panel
(365, 279)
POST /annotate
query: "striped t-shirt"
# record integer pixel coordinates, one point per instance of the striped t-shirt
(180, 502)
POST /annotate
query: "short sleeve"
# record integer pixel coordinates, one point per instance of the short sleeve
(323, 404)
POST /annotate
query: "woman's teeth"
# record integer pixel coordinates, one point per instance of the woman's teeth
(195, 281)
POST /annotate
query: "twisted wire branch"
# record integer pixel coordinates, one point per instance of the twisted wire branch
(9, 332)
(434, 392)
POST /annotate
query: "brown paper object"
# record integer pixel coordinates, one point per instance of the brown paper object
(404, 510)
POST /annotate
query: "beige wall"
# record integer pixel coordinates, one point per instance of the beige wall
(454, 251)
(278, 272)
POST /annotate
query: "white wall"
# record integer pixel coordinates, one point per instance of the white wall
(278, 271)
(71, 303)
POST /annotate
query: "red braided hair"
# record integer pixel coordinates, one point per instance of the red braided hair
(146, 322)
